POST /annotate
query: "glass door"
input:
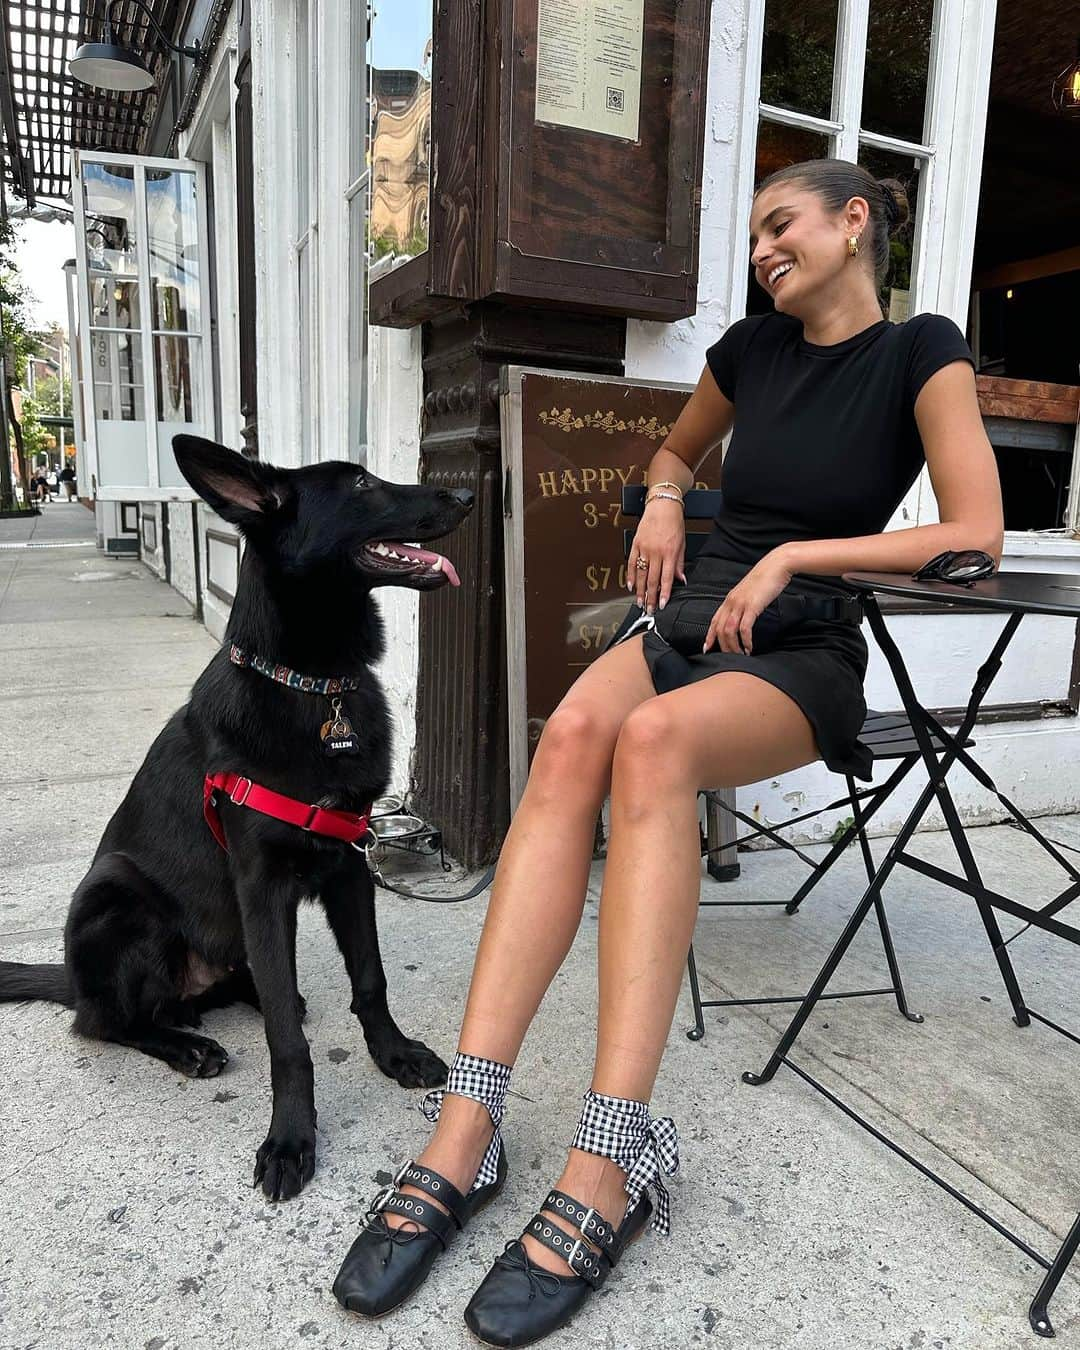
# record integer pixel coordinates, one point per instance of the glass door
(141, 246)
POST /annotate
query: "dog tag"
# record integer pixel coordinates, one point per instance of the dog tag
(337, 735)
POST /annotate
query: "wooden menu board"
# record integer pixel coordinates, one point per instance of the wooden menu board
(570, 444)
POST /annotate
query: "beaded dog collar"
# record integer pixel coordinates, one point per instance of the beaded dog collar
(308, 684)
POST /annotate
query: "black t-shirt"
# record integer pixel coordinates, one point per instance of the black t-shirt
(825, 442)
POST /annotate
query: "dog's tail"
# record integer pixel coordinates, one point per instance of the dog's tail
(19, 982)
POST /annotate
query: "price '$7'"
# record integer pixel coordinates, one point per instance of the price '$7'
(602, 577)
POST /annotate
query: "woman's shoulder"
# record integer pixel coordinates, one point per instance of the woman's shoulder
(926, 327)
(754, 328)
(742, 340)
(772, 322)
(928, 342)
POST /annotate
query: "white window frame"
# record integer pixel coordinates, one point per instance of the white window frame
(305, 226)
(358, 185)
(342, 177)
(151, 490)
(291, 434)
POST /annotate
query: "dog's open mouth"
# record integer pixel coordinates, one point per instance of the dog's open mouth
(407, 562)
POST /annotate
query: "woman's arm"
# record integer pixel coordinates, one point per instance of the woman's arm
(964, 475)
(661, 534)
(703, 423)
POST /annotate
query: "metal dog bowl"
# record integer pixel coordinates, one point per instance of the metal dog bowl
(386, 806)
(391, 828)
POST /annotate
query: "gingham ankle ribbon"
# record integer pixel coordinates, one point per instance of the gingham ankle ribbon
(622, 1130)
(486, 1082)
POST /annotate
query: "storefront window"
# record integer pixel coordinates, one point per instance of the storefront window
(897, 68)
(896, 288)
(173, 224)
(828, 92)
(400, 92)
(797, 55)
(777, 147)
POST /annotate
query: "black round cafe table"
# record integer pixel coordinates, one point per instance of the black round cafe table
(1013, 595)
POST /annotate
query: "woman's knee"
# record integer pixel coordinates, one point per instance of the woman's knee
(652, 749)
(575, 749)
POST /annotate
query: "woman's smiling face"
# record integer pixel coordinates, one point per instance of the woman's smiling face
(796, 246)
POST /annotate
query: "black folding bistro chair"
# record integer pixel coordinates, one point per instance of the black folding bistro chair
(889, 737)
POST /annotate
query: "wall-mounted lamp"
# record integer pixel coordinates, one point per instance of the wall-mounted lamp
(1065, 93)
(107, 65)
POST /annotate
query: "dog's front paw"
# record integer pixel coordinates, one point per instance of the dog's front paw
(410, 1063)
(199, 1057)
(284, 1166)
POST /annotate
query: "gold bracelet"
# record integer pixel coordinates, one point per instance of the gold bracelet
(663, 496)
(665, 483)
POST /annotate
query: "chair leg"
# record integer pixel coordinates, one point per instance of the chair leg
(894, 965)
(697, 1031)
(860, 816)
(720, 832)
(879, 910)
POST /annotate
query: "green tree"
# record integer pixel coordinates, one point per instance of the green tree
(17, 342)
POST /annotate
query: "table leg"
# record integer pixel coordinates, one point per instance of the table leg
(1038, 1314)
(879, 908)
(938, 769)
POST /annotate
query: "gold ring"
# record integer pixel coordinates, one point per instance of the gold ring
(641, 564)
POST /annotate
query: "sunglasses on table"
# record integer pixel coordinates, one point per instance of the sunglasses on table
(958, 567)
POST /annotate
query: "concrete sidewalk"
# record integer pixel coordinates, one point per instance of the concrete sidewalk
(128, 1215)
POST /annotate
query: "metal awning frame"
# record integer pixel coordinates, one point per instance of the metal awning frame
(45, 113)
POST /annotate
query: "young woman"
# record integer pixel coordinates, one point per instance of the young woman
(833, 410)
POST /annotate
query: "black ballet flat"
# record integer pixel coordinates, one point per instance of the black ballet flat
(505, 1310)
(385, 1265)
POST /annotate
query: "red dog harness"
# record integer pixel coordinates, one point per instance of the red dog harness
(343, 825)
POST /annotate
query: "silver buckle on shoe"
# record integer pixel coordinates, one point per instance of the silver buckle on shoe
(400, 1174)
(382, 1199)
(583, 1226)
(574, 1252)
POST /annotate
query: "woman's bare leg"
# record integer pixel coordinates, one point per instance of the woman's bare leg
(725, 731)
(539, 890)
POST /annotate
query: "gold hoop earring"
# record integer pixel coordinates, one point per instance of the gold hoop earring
(853, 246)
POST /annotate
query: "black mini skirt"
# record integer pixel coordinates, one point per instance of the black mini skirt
(819, 664)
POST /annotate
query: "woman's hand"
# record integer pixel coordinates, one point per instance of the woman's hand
(733, 623)
(658, 554)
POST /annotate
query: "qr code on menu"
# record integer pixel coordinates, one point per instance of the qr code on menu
(616, 99)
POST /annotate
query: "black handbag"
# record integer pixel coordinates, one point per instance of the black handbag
(684, 620)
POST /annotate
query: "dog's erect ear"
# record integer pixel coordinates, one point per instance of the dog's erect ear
(242, 490)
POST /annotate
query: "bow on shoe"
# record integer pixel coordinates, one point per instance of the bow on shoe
(515, 1257)
(375, 1221)
(659, 1153)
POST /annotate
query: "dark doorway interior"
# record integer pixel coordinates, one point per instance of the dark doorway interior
(1026, 276)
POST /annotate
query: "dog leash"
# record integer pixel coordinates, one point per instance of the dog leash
(380, 881)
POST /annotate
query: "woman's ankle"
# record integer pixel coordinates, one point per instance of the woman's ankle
(463, 1123)
(598, 1181)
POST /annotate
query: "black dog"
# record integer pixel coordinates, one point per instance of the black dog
(167, 924)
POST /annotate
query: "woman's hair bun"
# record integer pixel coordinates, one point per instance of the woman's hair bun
(897, 210)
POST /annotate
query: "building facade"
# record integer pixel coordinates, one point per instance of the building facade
(937, 95)
(951, 96)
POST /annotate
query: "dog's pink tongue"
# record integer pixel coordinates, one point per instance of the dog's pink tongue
(429, 559)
